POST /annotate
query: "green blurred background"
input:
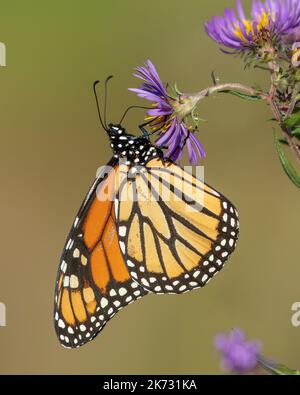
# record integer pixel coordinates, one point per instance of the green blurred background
(52, 145)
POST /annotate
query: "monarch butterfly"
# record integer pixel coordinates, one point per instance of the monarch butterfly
(128, 240)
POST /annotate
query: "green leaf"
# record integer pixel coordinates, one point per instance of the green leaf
(277, 369)
(296, 133)
(283, 141)
(292, 121)
(282, 370)
(242, 95)
(287, 166)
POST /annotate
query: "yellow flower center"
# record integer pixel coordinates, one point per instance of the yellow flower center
(263, 23)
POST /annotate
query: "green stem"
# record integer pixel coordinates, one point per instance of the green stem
(219, 88)
(277, 113)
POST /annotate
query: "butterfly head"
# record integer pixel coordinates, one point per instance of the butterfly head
(135, 150)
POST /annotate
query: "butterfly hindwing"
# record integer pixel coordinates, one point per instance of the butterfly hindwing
(93, 282)
(177, 232)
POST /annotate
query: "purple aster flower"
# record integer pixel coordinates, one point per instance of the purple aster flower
(270, 20)
(168, 115)
(238, 355)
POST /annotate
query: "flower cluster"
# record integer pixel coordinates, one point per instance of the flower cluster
(269, 39)
(270, 21)
(238, 355)
(168, 116)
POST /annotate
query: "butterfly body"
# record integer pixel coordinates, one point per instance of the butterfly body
(136, 150)
(145, 226)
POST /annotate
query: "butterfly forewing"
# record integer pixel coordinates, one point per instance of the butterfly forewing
(177, 233)
(93, 282)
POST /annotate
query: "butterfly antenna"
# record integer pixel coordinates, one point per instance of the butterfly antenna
(130, 108)
(97, 103)
(105, 98)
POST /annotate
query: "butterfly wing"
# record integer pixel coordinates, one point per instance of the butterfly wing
(175, 232)
(93, 282)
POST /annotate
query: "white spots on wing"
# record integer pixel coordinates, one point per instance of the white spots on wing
(82, 328)
(145, 282)
(68, 246)
(84, 260)
(152, 280)
(56, 316)
(204, 278)
(223, 243)
(169, 288)
(93, 319)
(76, 222)
(218, 248)
(176, 282)
(231, 242)
(137, 293)
(66, 281)
(122, 231)
(63, 266)
(134, 285)
(212, 270)
(113, 292)
(232, 222)
(211, 258)
(110, 311)
(182, 288)
(103, 302)
(224, 229)
(196, 274)
(142, 269)
(193, 284)
(74, 283)
(134, 275)
(122, 246)
(70, 330)
(225, 254)
(225, 217)
(117, 303)
(128, 299)
(225, 205)
(76, 253)
(157, 288)
(61, 324)
(130, 264)
(122, 291)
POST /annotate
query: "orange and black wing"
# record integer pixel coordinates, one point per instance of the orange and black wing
(93, 282)
(175, 232)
